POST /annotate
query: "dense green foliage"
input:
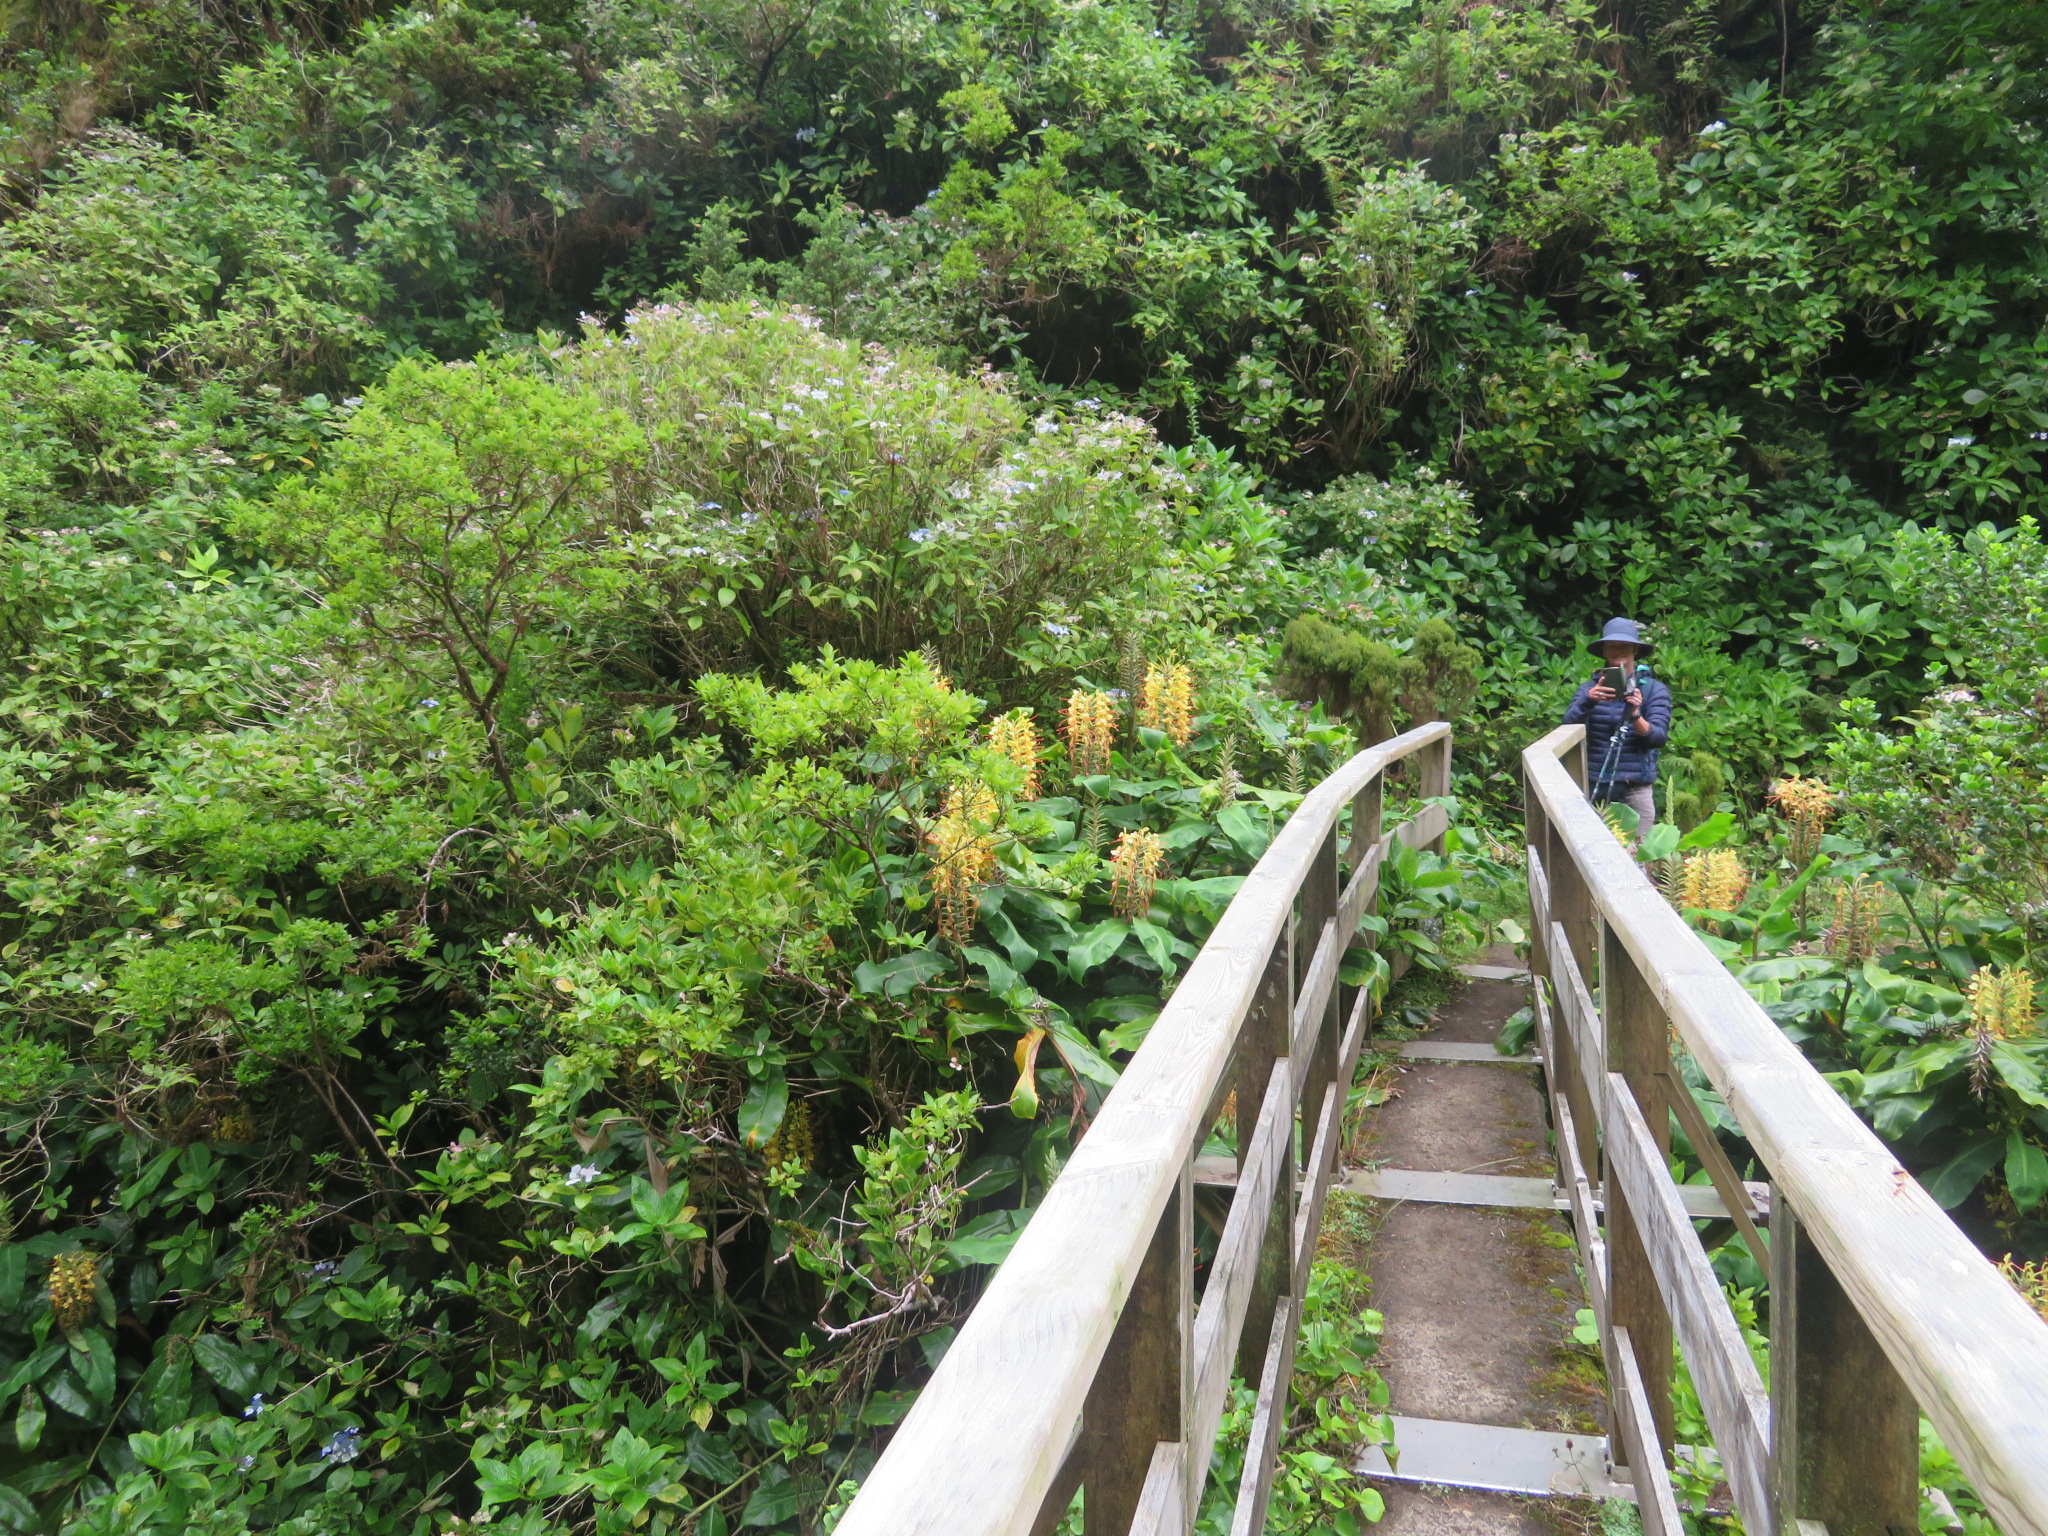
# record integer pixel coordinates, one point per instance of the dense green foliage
(471, 1029)
(532, 961)
(1549, 310)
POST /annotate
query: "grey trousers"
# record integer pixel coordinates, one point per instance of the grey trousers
(1640, 798)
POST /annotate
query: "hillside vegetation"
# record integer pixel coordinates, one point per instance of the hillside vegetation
(635, 639)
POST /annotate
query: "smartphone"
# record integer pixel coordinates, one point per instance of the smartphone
(1610, 677)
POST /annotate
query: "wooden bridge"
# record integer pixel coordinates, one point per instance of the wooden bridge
(1094, 1362)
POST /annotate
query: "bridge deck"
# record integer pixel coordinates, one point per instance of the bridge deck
(1097, 1362)
(1478, 1293)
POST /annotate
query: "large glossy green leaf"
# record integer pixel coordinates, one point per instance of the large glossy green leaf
(1078, 1054)
(29, 1419)
(1162, 946)
(2020, 1070)
(17, 1510)
(895, 976)
(1711, 833)
(1096, 946)
(774, 1501)
(2026, 1171)
(1951, 1183)
(988, 1239)
(999, 926)
(762, 1110)
(1252, 832)
(13, 1275)
(92, 1357)
(66, 1391)
(226, 1362)
(1661, 843)
(994, 968)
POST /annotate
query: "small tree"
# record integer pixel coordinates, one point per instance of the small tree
(1963, 789)
(1365, 679)
(466, 508)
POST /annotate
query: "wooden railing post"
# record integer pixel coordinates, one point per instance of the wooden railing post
(1574, 759)
(1845, 1432)
(1571, 908)
(1368, 829)
(1140, 1393)
(1262, 1049)
(1319, 894)
(1639, 1049)
(1536, 838)
(1368, 818)
(1436, 779)
(1571, 903)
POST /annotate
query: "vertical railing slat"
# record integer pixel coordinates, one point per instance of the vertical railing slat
(1262, 1051)
(1435, 779)
(1139, 1395)
(1845, 1432)
(1639, 1050)
(1319, 893)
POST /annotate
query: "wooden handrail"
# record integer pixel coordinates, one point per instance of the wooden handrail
(1093, 1308)
(1879, 1302)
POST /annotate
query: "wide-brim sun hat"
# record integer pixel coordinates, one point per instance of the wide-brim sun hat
(1622, 632)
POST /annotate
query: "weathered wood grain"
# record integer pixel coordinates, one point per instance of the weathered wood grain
(1425, 829)
(1357, 1029)
(1546, 1036)
(1367, 824)
(979, 1449)
(1312, 1003)
(1539, 897)
(1142, 1386)
(1735, 1197)
(1575, 1002)
(1255, 1487)
(1262, 1059)
(1583, 1073)
(1435, 764)
(1163, 1506)
(1235, 1267)
(1585, 1213)
(1059, 1498)
(1308, 1220)
(1638, 1051)
(1316, 1027)
(1845, 1434)
(1730, 1388)
(1972, 1352)
(1359, 892)
(1636, 1429)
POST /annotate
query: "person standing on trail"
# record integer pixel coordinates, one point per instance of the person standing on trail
(1624, 726)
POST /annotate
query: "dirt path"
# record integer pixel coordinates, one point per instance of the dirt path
(1477, 1300)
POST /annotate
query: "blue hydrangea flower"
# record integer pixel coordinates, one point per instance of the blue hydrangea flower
(347, 1445)
(256, 1406)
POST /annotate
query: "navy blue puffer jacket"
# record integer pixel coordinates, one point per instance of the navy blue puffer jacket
(1637, 761)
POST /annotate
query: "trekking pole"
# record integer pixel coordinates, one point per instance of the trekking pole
(1603, 781)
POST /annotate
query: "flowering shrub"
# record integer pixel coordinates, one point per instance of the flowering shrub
(1963, 791)
(799, 491)
(454, 1123)
(1917, 1004)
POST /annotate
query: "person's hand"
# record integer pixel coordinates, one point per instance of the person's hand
(1636, 720)
(1635, 701)
(1601, 693)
